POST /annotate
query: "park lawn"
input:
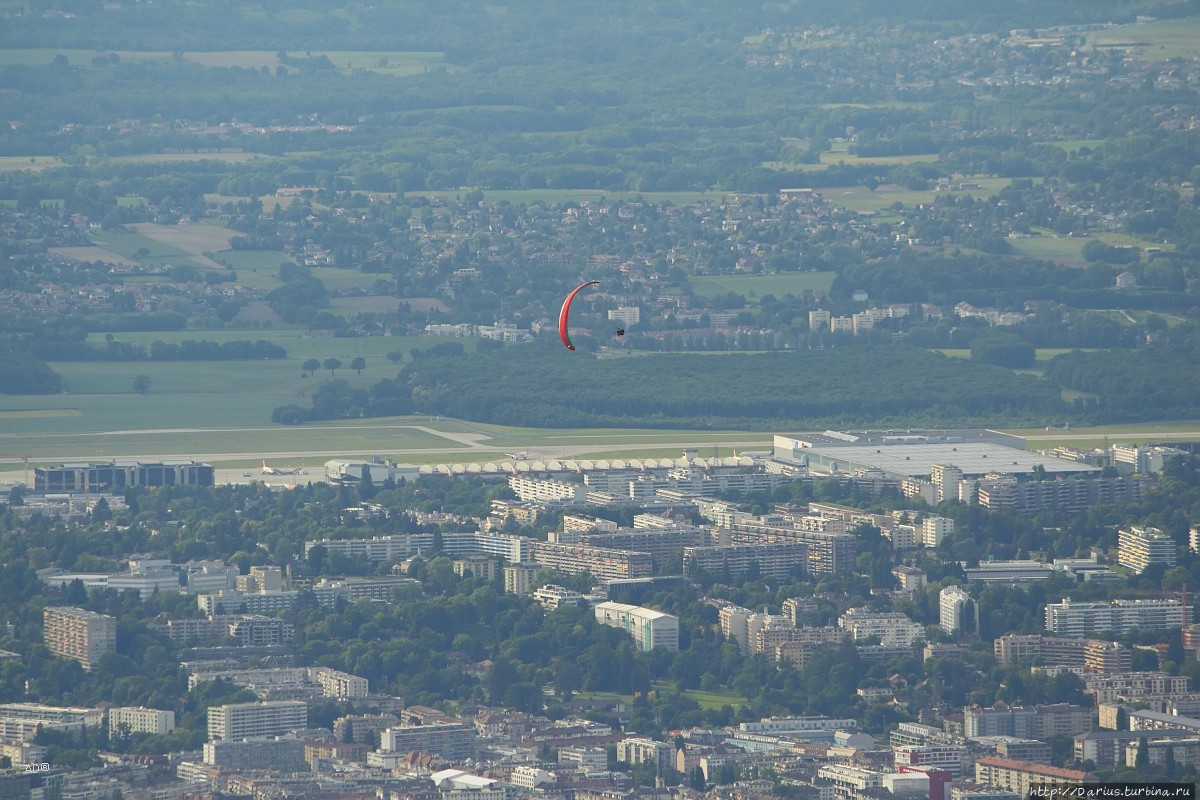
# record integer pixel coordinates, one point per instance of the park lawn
(708, 701)
(756, 286)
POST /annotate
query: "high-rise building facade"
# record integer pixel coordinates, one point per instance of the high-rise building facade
(83, 636)
(246, 720)
(956, 610)
(1138, 547)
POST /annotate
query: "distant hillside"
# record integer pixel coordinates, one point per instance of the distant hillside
(537, 385)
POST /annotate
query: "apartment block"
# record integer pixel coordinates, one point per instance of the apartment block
(519, 578)
(999, 720)
(1120, 616)
(892, 628)
(1019, 776)
(1075, 653)
(645, 751)
(956, 609)
(950, 757)
(1138, 547)
(282, 753)
(601, 562)
(124, 720)
(770, 560)
(80, 635)
(1062, 719)
(450, 740)
(649, 628)
(246, 720)
(1133, 685)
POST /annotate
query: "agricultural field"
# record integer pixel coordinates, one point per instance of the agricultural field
(755, 286)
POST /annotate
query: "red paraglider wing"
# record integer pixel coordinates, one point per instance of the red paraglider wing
(566, 309)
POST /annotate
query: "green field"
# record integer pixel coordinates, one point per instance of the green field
(883, 198)
(153, 251)
(29, 162)
(1098, 436)
(1155, 41)
(755, 286)
(708, 701)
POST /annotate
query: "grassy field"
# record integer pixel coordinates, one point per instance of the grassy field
(28, 162)
(839, 153)
(755, 286)
(708, 701)
(1155, 41)
(1098, 436)
(153, 251)
(860, 198)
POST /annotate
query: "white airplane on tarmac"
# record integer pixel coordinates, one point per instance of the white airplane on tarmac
(266, 470)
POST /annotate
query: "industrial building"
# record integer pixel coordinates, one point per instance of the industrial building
(913, 454)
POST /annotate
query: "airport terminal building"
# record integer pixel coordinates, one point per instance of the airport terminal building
(115, 476)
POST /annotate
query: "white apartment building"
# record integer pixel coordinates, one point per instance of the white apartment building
(1138, 547)
(953, 602)
(1121, 616)
(451, 740)
(245, 720)
(783, 726)
(934, 530)
(951, 757)
(139, 720)
(1133, 685)
(626, 315)
(649, 628)
(553, 597)
(536, 490)
(637, 750)
(893, 629)
(519, 578)
(587, 759)
(337, 684)
(849, 781)
(734, 625)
